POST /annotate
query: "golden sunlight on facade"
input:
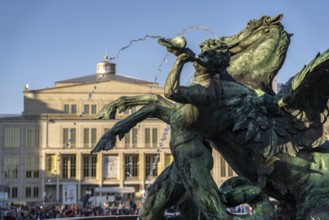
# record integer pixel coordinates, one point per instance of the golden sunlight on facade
(45, 152)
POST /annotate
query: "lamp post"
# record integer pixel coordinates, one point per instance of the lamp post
(58, 176)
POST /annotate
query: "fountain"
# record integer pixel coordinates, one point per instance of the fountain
(276, 143)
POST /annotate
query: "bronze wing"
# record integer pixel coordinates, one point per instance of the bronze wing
(305, 98)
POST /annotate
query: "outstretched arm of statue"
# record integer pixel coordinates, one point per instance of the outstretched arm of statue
(195, 94)
(172, 89)
(198, 93)
(173, 79)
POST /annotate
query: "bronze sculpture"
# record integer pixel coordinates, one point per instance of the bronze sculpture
(276, 141)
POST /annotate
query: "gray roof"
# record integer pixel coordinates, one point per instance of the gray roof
(94, 78)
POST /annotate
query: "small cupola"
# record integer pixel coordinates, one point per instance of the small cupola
(105, 67)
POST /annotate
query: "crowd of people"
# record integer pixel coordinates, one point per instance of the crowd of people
(50, 211)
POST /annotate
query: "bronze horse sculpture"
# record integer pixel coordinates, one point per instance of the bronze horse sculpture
(275, 141)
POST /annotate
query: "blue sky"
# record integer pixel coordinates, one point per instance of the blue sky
(44, 41)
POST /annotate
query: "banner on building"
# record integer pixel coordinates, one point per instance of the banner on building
(111, 166)
(51, 165)
(69, 193)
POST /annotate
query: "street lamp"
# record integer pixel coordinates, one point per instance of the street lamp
(57, 176)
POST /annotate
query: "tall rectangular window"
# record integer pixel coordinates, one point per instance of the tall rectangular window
(89, 166)
(89, 137)
(93, 137)
(154, 137)
(73, 137)
(131, 166)
(32, 167)
(35, 192)
(11, 164)
(86, 109)
(127, 140)
(69, 137)
(69, 166)
(28, 192)
(32, 137)
(73, 109)
(12, 137)
(93, 109)
(222, 167)
(13, 192)
(151, 137)
(66, 109)
(86, 137)
(150, 165)
(229, 171)
(130, 138)
(134, 137)
(28, 167)
(65, 137)
(65, 166)
(147, 134)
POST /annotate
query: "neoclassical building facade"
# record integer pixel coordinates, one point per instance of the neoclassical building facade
(45, 152)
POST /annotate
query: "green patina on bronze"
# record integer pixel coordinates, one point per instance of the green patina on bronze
(274, 142)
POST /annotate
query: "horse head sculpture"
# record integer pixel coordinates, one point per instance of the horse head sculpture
(258, 52)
